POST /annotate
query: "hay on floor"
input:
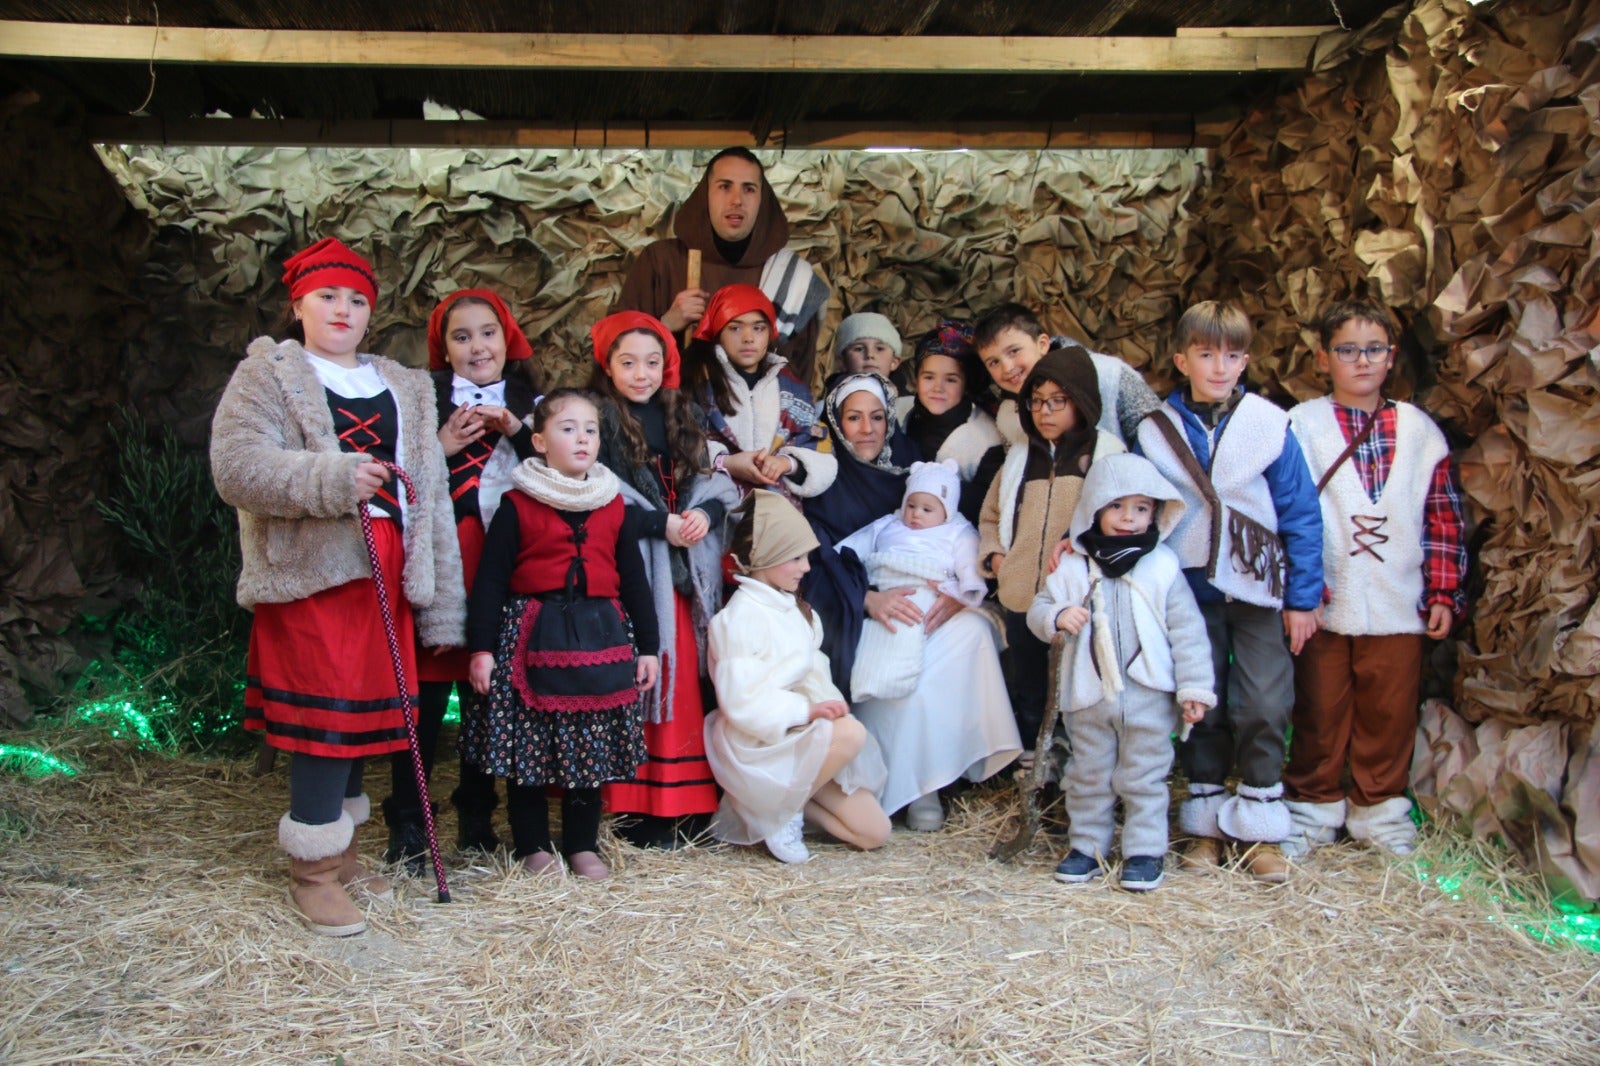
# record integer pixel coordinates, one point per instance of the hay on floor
(144, 921)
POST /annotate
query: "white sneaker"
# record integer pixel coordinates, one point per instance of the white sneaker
(787, 844)
(925, 814)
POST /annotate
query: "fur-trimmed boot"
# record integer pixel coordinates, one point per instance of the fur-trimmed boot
(316, 853)
(352, 874)
(1316, 825)
(1197, 816)
(1386, 824)
(1257, 816)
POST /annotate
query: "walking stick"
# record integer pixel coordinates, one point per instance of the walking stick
(400, 676)
(1007, 849)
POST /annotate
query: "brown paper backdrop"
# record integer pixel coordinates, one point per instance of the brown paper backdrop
(1448, 165)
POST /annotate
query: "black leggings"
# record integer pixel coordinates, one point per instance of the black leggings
(476, 792)
(318, 787)
(529, 815)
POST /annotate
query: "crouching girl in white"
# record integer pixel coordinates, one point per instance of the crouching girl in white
(926, 546)
(1139, 641)
(782, 743)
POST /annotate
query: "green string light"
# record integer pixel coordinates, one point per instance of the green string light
(123, 720)
(31, 762)
(1568, 921)
(452, 714)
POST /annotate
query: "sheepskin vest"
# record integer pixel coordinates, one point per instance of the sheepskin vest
(1234, 550)
(1372, 550)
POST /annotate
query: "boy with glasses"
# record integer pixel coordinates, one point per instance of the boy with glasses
(1395, 558)
(1250, 542)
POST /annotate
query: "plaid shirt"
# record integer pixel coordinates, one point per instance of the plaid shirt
(1444, 545)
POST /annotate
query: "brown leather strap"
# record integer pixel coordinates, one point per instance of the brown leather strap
(1186, 456)
(1360, 439)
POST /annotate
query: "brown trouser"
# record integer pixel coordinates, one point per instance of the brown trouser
(1355, 702)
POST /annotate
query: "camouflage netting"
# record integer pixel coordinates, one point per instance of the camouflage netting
(1443, 162)
(1448, 164)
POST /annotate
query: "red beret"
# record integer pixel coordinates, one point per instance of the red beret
(329, 264)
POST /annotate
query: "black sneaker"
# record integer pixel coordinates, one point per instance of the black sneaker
(1141, 873)
(1078, 868)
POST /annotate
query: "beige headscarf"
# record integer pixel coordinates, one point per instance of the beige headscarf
(780, 532)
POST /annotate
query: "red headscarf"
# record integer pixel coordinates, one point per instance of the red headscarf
(517, 346)
(729, 303)
(329, 263)
(605, 332)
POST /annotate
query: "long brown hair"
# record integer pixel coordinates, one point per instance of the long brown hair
(686, 441)
(703, 371)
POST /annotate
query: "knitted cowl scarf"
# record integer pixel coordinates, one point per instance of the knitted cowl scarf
(598, 488)
(886, 393)
(1072, 370)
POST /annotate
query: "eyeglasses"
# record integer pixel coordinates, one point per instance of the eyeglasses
(1375, 353)
(1052, 404)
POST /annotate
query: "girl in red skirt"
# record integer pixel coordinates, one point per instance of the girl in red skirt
(652, 437)
(551, 644)
(293, 447)
(485, 417)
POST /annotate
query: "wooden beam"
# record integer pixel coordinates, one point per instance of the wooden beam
(1285, 49)
(1163, 132)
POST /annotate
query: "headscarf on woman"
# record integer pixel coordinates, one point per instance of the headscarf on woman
(864, 491)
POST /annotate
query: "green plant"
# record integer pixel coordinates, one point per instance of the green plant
(176, 674)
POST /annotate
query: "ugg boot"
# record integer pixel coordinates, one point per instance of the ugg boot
(352, 874)
(1386, 824)
(315, 854)
(1316, 825)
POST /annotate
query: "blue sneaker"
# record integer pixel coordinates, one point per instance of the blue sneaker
(1078, 868)
(1141, 873)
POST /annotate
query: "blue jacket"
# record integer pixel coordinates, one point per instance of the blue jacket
(1294, 497)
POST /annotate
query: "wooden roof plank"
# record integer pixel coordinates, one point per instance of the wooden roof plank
(1217, 51)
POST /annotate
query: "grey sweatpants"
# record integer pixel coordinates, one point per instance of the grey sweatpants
(1121, 749)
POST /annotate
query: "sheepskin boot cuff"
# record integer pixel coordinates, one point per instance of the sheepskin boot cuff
(1256, 814)
(1197, 815)
(312, 842)
(359, 808)
(1386, 824)
(1316, 825)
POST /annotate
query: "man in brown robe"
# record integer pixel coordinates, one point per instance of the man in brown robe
(734, 218)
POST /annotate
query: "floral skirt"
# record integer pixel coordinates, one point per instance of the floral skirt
(555, 715)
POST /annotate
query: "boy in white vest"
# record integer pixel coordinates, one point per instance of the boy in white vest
(1251, 546)
(1395, 558)
(1139, 651)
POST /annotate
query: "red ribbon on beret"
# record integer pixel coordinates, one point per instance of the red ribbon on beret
(329, 264)
(605, 332)
(517, 346)
(729, 303)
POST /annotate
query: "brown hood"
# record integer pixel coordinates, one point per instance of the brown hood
(693, 225)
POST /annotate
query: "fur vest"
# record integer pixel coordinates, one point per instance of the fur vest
(1372, 554)
(275, 457)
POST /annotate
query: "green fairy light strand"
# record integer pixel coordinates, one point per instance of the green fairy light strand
(122, 719)
(31, 762)
(1568, 921)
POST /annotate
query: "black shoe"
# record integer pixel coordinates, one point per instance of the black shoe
(408, 838)
(475, 832)
(1078, 868)
(649, 831)
(1142, 873)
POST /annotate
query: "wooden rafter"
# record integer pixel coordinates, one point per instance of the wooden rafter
(1211, 51)
(1161, 132)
